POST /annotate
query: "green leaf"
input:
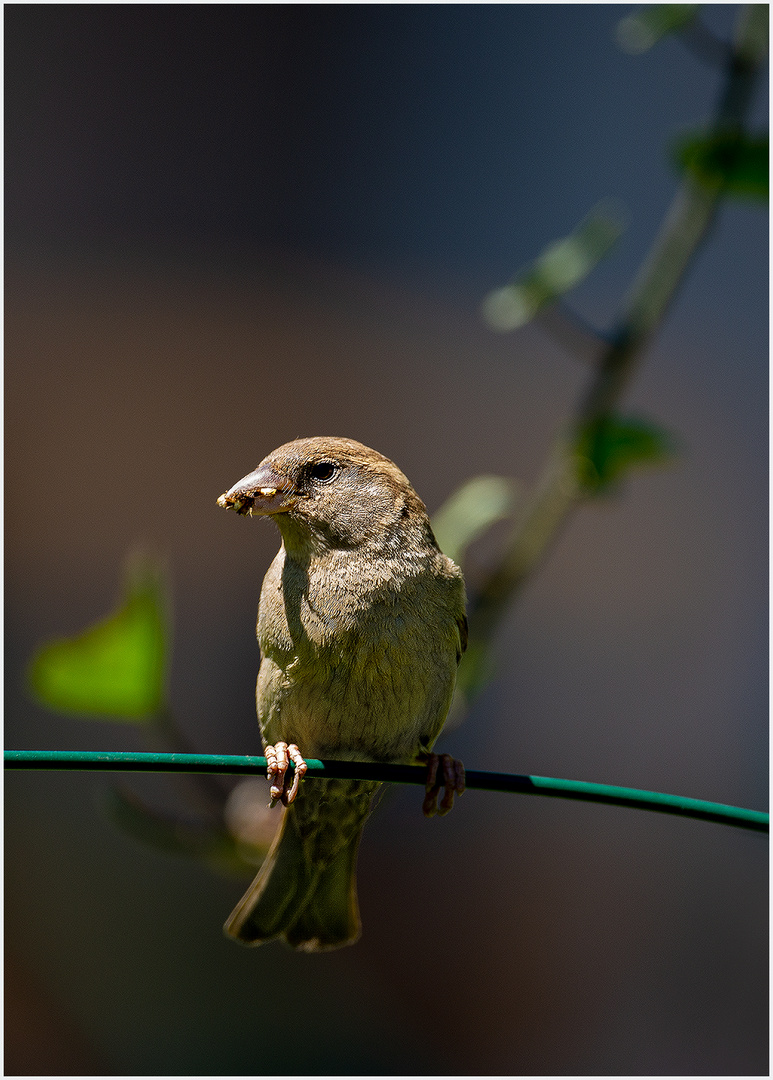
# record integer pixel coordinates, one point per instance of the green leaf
(611, 447)
(471, 510)
(117, 667)
(560, 267)
(638, 32)
(736, 163)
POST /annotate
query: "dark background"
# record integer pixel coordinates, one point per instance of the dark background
(229, 226)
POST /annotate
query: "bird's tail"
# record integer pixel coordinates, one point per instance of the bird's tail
(306, 891)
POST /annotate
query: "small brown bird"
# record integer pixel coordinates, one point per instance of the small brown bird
(361, 626)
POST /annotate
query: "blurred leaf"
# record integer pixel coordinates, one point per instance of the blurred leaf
(476, 670)
(560, 267)
(471, 510)
(739, 164)
(610, 448)
(208, 844)
(117, 667)
(640, 30)
(753, 37)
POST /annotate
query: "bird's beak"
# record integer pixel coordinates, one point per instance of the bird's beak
(260, 492)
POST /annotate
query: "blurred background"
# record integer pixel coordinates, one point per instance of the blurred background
(232, 225)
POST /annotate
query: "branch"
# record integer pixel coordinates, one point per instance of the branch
(559, 488)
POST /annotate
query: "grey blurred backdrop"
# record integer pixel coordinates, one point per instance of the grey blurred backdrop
(229, 226)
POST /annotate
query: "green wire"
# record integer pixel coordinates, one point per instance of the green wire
(394, 774)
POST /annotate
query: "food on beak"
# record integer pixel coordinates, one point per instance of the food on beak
(261, 492)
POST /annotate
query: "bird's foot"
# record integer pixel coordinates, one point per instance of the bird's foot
(278, 758)
(452, 779)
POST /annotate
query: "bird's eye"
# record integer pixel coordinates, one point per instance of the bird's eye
(323, 471)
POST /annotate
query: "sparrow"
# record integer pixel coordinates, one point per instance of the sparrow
(361, 626)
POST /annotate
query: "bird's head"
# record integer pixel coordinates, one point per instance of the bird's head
(333, 493)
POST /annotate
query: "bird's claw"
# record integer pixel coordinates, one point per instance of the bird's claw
(278, 758)
(452, 780)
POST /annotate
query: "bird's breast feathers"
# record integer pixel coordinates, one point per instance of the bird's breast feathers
(364, 667)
